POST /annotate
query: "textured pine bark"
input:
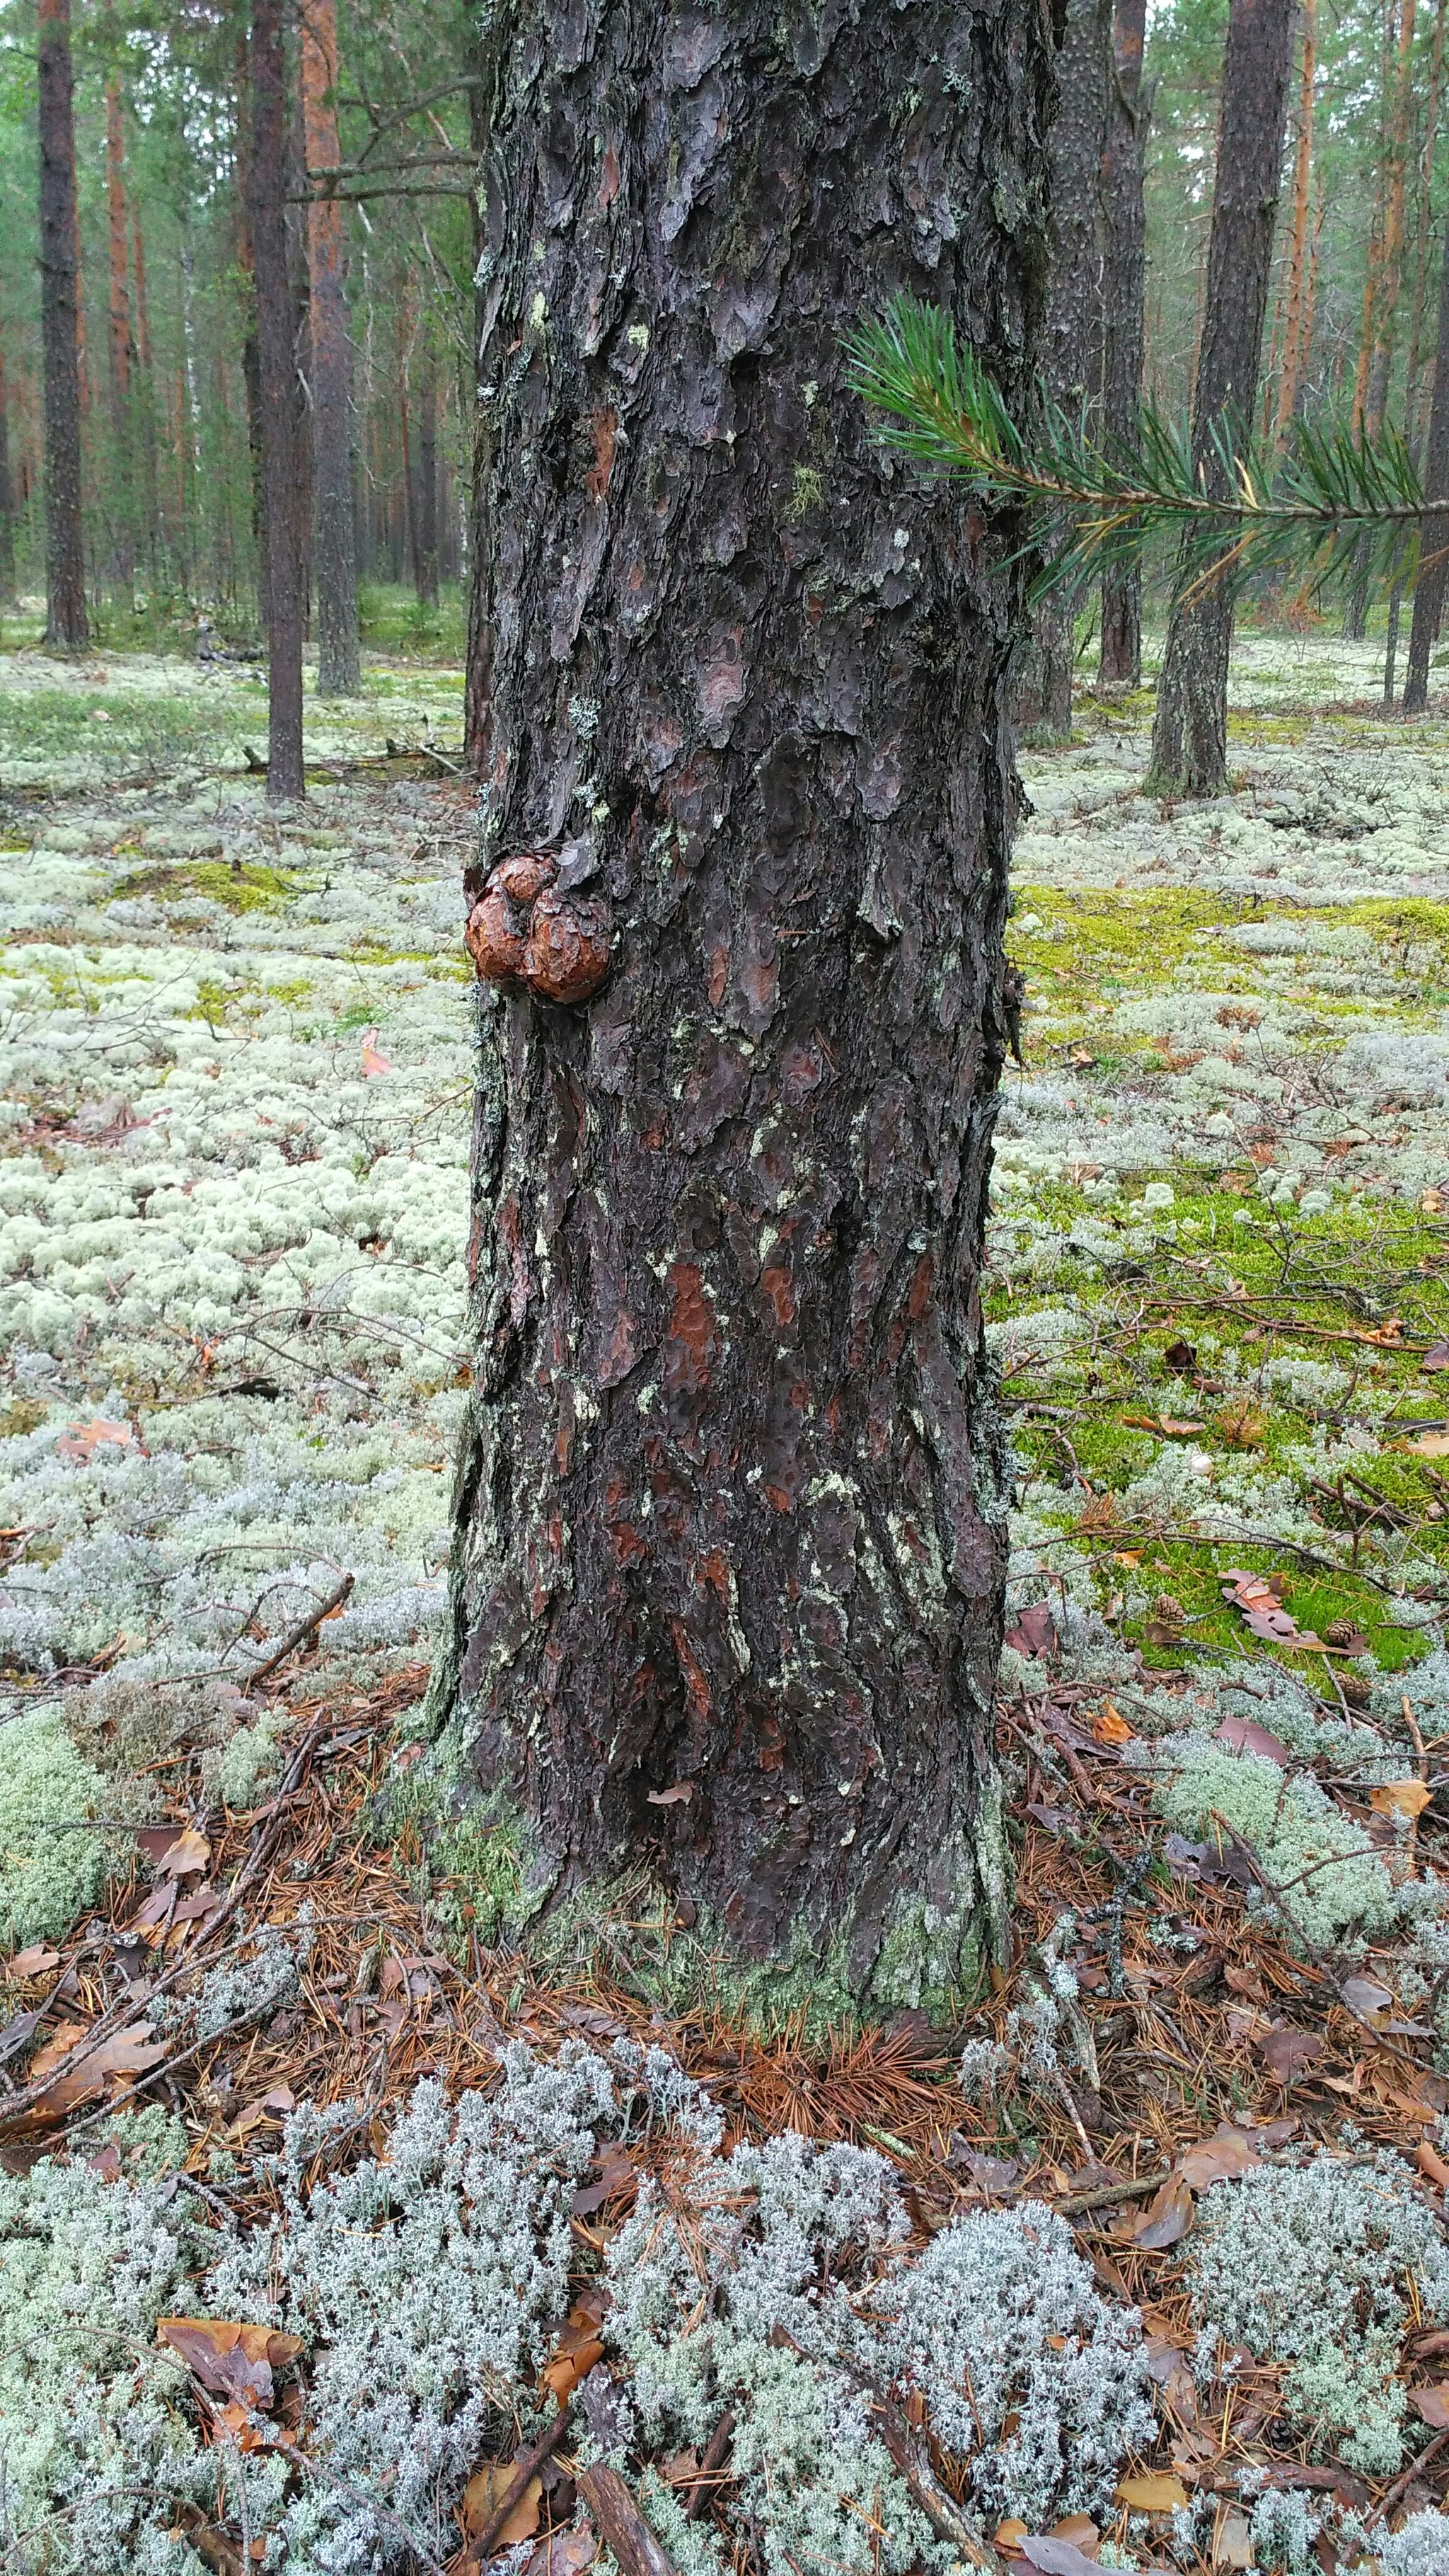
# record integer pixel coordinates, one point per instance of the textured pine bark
(1190, 735)
(1124, 313)
(728, 1572)
(277, 402)
(1434, 543)
(7, 500)
(119, 346)
(67, 627)
(339, 665)
(1072, 339)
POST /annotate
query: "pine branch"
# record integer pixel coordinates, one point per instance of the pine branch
(1332, 503)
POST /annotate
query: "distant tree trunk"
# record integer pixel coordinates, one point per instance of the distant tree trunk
(728, 1582)
(1413, 424)
(145, 401)
(339, 669)
(7, 502)
(1295, 352)
(1385, 272)
(1190, 736)
(1434, 543)
(1123, 301)
(250, 355)
(67, 627)
(277, 380)
(119, 345)
(426, 504)
(1071, 349)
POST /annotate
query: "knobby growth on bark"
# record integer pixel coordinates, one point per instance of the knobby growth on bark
(277, 401)
(730, 1519)
(67, 627)
(339, 669)
(1190, 733)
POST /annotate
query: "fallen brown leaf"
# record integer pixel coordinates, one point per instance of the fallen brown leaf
(189, 1851)
(1216, 2159)
(83, 1439)
(81, 2073)
(1245, 1736)
(484, 2493)
(1431, 2405)
(32, 1961)
(1168, 2216)
(232, 2359)
(1109, 1726)
(1401, 1798)
(1288, 2052)
(1155, 2491)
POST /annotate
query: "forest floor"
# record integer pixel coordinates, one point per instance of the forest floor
(234, 1054)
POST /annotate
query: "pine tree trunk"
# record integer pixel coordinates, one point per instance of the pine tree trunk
(1190, 735)
(731, 1514)
(1072, 340)
(146, 404)
(339, 669)
(1124, 302)
(480, 127)
(67, 627)
(426, 503)
(1434, 543)
(277, 385)
(119, 348)
(1295, 352)
(7, 502)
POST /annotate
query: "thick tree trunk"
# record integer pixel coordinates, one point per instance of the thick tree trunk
(1072, 339)
(67, 627)
(277, 387)
(119, 347)
(339, 668)
(1190, 735)
(1124, 315)
(730, 1519)
(7, 502)
(1434, 570)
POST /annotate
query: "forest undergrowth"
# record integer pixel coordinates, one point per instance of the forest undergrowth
(339, 2227)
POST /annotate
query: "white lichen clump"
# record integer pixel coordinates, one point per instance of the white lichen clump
(1314, 2266)
(429, 2283)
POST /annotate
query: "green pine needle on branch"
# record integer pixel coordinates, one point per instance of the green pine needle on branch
(1328, 506)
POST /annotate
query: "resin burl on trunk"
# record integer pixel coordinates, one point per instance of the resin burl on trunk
(730, 1519)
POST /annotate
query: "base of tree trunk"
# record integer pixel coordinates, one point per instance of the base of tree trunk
(1190, 734)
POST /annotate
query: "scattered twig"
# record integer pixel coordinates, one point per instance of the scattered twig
(1079, 2203)
(715, 2449)
(1401, 2485)
(621, 2523)
(513, 2494)
(303, 1630)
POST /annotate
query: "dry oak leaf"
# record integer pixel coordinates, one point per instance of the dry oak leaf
(578, 2348)
(485, 2492)
(1431, 2405)
(32, 1961)
(1233, 2541)
(83, 1439)
(1434, 2169)
(1219, 2158)
(231, 2358)
(1168, 2216)
(564, 2553)
(1401, 1798)
(1436, 1357)
(1288, 2052)
(1054, 2557)
(1245, 1736)
(1155, 2491)
(1109, 1726)
(81, 2073)
(1430, 1444)
(187, 1852)
(1162, 1422)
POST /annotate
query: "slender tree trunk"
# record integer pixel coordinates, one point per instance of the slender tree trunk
(426, 506)
(7, 502)
(1434, 561)
(67, 627)
(1295, 352)
(277, 381)
(1072, 342)
(1123, 300)
(339, 669)
(1190, 736)
(728, 1582)
(119, 345)
(146, 402)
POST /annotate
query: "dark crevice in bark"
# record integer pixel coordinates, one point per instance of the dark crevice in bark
(728, 1574)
